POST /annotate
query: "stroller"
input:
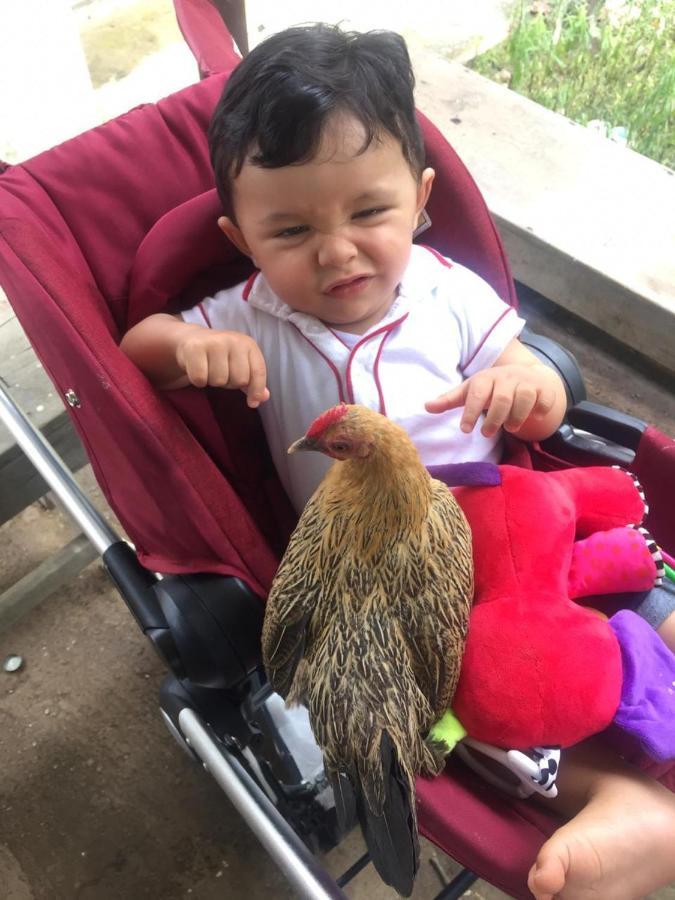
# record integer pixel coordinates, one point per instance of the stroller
(113, 225)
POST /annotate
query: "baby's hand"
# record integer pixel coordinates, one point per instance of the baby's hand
(224, 359)
(509, 394)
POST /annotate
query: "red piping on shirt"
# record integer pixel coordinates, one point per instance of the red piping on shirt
(341, 393)
(203, 312)
(385, 328)
(249, 284)
(485, 337)
(439, 256)
(376, 374)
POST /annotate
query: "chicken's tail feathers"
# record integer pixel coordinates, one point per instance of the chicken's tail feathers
(390, 826)
(345, 801)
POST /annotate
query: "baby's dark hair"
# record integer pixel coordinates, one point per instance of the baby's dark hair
(277, 101)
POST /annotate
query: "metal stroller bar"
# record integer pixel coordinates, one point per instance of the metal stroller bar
(354, 870)
(278, 838)
(274, 833)
(458, 886)
(52, 468)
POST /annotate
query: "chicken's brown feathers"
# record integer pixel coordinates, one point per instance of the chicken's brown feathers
(366, 619)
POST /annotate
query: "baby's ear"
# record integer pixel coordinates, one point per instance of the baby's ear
(424, 188)
(231, 231)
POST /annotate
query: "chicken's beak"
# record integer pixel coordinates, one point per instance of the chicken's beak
(304, 443)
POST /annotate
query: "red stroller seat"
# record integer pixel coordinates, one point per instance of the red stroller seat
(93, 237)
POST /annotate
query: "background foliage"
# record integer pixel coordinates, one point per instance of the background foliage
(612, 62)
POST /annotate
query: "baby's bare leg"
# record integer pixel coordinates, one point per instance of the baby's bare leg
(620, 840)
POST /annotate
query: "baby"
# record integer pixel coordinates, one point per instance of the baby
(320, 167)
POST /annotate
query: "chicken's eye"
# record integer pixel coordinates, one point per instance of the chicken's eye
(339, 446)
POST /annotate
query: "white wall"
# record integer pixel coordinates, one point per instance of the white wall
(46, 94)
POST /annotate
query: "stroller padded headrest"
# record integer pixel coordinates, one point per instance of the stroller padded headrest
(184, 257)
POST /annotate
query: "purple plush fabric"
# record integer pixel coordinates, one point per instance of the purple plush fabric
(475, 473)
(647, 707)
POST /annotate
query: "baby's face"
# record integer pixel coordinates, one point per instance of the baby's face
(332, 235)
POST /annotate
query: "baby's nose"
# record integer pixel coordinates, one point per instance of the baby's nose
(335, 250)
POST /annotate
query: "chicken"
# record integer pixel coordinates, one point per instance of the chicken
(366, 620)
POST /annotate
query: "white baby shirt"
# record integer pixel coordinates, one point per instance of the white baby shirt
(445, 324)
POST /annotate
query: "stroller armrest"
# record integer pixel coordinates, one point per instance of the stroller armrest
(608, 423)
(554, 355)
(591, 432)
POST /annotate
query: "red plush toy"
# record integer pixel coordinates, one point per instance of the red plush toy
(540, 669)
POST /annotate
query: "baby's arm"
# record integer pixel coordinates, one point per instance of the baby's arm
(173, 353)
(518, 393)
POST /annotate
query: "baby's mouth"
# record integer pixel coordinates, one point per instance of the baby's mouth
(348, 286)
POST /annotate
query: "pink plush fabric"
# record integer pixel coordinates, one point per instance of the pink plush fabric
(611, 562)
(539, 669)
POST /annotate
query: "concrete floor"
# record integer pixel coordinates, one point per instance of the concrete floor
(96, 800)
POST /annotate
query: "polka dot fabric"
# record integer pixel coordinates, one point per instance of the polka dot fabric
(615, 561)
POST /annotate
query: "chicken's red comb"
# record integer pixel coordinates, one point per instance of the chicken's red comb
(330, 417)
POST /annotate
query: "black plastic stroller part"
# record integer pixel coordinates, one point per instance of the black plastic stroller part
(307, 802)
(601, 421)
(205, 627)
(136, 587)
(265, 820)
(240, 721)
(581, 449)
(135, 584)
(591, 433)
(221, 709)
(557, 357)
(459, 885)
(215, 621)
(353, 870)
(268, 743)
(594, 434)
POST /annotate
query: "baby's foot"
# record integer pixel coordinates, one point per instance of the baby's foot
(620, 846)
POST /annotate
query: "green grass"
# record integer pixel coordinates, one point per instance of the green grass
(578, 58)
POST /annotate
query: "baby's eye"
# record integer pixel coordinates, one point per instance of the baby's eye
(368, 213)
(294, 231)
